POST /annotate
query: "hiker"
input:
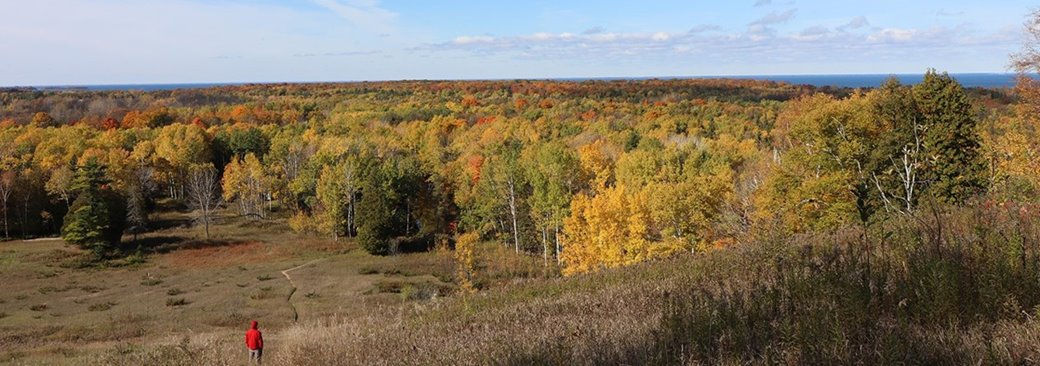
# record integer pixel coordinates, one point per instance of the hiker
(255, 342)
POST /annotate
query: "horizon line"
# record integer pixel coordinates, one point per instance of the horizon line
(566, 78)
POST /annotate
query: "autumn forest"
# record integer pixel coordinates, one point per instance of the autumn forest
(644, 221)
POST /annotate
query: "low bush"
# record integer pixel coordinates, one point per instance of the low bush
(102, 306)
(177, 301)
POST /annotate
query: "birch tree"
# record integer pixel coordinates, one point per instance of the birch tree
(203, 189)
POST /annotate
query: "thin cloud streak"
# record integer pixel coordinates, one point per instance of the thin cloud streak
(366, 14)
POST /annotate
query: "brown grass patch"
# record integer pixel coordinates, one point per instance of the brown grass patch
(220, 256)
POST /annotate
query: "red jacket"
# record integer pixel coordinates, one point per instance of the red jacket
(254, 340)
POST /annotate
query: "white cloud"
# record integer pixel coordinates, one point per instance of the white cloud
(112, 42)
(594, 30)
(366, 14)
(893, 35)
(775, 18)
(812, 33)
(704, 28)
(465, 40)
(855, 23)
(758, 44)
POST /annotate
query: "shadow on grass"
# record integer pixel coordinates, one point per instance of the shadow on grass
(167, 223)
(167, 243)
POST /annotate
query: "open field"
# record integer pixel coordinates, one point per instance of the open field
(51, 312)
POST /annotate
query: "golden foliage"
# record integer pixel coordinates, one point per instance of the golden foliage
(612, 229)
(465, 256)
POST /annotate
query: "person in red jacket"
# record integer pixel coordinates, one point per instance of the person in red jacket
(255, 342)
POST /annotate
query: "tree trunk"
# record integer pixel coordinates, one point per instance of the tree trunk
(556, 238)
(350, 217)
(407, 218)
(512, 212)
(25, 216)
(7, 233)
(545, 247)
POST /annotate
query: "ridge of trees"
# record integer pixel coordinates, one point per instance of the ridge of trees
(586, 175)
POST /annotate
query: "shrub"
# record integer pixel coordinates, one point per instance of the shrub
(38, 307)
(91, 288)
(423, 291)
(178, 301)
(265, 293)
(104, 306)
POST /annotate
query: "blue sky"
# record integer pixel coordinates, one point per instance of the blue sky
(62, 42)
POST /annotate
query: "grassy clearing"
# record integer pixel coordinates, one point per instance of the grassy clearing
(959, 287)
(57, 311)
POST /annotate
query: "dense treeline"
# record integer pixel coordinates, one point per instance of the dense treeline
(587, 174)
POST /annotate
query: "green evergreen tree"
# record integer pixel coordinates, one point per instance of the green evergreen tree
(376, 212)
(954, 169)
(97, 217)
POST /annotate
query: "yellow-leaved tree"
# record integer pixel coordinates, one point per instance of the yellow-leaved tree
(465, 256)
(611, 229)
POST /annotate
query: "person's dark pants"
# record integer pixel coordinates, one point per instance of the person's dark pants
(255, 355)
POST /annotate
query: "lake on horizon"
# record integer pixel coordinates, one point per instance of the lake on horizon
(982, 80)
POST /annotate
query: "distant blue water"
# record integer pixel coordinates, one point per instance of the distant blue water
(871, 81)
(991, 80)
(971, 80)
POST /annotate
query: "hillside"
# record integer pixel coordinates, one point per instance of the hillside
(963, 298)
(520, 222)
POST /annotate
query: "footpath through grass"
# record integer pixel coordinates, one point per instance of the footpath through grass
(55, 311)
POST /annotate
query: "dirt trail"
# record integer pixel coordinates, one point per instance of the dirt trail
(296, 315)
(42, 239)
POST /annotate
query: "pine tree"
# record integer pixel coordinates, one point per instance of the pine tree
(955, 170)
(96, 218)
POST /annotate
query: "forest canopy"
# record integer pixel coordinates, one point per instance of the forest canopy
(586, 175)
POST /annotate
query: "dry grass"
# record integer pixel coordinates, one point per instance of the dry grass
(955, 287)
(57, 313)
(960, 287)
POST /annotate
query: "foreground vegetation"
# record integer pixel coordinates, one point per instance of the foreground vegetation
(948, 287)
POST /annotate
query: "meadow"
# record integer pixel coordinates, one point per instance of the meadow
(58, 308)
